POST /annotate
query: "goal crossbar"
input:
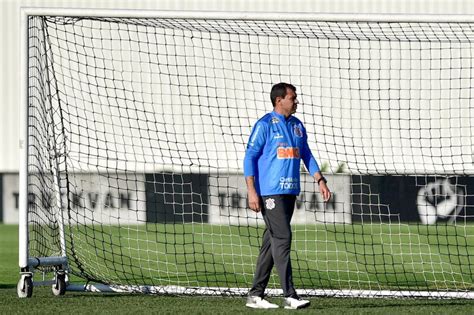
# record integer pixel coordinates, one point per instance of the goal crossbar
(258, 16)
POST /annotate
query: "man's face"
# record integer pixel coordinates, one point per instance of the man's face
(289, 103)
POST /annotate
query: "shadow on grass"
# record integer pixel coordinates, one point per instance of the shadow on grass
(7, 286)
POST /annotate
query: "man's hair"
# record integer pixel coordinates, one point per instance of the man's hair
(279, 90)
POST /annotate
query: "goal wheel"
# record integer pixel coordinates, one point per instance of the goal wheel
(59, 288)
(24, 288)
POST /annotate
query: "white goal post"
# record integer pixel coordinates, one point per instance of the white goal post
(133, 132)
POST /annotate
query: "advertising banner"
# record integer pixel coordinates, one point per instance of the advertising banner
(93, 198)
(421, 199)
(10, 198)
(228, 201)
(176, 198)
(222, 199)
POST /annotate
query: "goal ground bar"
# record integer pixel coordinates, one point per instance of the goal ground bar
(271, 292)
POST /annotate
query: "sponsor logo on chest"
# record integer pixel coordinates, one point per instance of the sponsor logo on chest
(288, 153)
(289, 183)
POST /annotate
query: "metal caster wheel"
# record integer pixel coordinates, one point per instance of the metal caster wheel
(24, 288)
(59, 288)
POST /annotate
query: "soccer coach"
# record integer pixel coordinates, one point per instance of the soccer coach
(277, 144)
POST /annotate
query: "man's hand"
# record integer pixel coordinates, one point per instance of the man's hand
(324, 190)
(253, 198)
(254, 201)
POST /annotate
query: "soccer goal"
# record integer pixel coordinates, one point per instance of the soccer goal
(134, 131)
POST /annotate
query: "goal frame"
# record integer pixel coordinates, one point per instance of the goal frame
(27, 263)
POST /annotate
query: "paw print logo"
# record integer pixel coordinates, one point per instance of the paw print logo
(270, 203)
(440, 200)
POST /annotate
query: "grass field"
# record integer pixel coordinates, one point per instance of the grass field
(92, 303)
(365, 257)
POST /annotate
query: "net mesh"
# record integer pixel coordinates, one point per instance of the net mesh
(137, 133)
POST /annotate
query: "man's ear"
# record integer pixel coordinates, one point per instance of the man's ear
(277, 99)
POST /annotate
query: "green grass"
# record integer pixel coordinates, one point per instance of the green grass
(408, 257)
(92, 303)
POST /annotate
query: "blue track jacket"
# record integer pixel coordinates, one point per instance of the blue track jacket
(273, 155)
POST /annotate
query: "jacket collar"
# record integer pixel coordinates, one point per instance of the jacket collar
(281, 117)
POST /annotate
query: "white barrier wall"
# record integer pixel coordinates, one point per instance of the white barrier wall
(10, 22)
(10, 62)
(397, 103)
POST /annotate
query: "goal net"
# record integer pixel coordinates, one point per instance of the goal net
(137, 128)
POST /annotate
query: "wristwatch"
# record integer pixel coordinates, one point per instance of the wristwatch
(322, 179)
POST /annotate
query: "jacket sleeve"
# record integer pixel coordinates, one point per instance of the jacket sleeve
(254, 148)
(308, 158)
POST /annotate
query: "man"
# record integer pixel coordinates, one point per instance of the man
(272, 172)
